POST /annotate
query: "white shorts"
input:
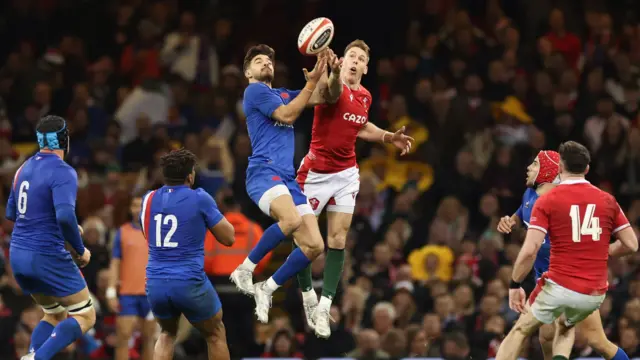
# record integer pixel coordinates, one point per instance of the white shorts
(336, 191)
(550, 300)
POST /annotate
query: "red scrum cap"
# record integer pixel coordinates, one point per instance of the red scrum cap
(549, 167)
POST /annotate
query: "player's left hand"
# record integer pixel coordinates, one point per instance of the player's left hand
(402, 141)
(517, 299)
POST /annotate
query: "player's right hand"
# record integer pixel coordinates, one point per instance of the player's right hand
(334, 62)
(83, 260)
(505, 225)
(318, 70)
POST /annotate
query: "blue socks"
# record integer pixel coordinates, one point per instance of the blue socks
(296, 261)
(269, 241)
(620, 355)
(62, 336)
(40, 334)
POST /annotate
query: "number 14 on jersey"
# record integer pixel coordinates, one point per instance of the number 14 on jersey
(590, 225)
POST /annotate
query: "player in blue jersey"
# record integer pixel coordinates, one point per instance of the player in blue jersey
(174, 220)
(42, 205)
(542, 176)
(271, 182)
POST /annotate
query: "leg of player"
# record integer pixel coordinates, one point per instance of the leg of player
(284, 211)
(166, 341)
(338, 224)
(511, 346)
(546, 334)
(149, 329)
(309, 296)
(310, 247)
(214, 333)
(54, 313)
(564, 338)
(82, 317)
(594, 332)
(124, 329)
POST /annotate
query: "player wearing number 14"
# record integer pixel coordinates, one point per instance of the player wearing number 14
(579, 219)
(174, 220)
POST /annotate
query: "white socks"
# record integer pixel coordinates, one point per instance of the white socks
(247, 264)
(271, 286)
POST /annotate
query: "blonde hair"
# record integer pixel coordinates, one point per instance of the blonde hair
(361, 45)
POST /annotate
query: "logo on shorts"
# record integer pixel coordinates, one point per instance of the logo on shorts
(284, 95)
(276, 178)
(314, 203)
(354, 195)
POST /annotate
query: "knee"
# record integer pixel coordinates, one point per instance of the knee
(313, 248)
(337, 240)
(218, 333)
(86, 319)
(290, 224)
(54, 319)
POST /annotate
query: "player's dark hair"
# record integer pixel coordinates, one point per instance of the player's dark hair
(177, 165)
(256, 50)
(575, 157)
(50, 124)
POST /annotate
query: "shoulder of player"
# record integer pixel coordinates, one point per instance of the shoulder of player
(66, 168)
(255, 88)
(364, 91)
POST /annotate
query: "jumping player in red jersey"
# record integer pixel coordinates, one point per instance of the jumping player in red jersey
(580, 219)
(328, 174)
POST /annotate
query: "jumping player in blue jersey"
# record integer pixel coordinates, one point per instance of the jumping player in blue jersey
(42, 205)
(174, 220)
(271, 182)
(542, 176)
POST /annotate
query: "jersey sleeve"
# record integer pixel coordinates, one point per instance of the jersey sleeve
(519, 212)
(293, 94)
(10, 211)
(209, 209)
(116, 251)
(620, 221)
(540, 215)
(265, 101)
(64, 186)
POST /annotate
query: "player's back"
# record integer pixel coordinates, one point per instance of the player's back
(272, 142)
(335, 130)
(175, 228)
(36, 228)
(582, 219)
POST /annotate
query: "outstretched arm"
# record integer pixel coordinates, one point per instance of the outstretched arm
(370, 132)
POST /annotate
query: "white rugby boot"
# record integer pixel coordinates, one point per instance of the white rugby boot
(310, 303)
(262, 296)
(29, 356)
(321, 319)
(243, 278)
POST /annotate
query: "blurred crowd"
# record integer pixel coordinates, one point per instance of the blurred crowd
(482, 85)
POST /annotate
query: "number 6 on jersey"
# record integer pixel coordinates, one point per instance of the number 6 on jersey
(590, 224)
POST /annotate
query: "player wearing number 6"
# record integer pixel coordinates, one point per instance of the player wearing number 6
(42, 205)
(579, 220)
(174, 220)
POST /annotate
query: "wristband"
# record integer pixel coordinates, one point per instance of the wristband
(384, 134)
(111, 293)
(514, 285)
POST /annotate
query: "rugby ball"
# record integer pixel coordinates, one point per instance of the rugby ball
(315, 36)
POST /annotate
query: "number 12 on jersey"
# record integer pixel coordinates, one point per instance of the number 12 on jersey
(590, 225)
(168, 220)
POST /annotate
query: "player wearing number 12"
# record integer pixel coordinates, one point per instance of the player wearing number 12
(174, 220)
(579, 219)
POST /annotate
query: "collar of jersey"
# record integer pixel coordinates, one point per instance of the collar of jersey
(176, 186)
(45, 153)
(574, 181)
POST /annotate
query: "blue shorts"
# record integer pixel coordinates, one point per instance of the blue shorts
(265, 183)
(134, 305)
(196, 299)
(54, 275)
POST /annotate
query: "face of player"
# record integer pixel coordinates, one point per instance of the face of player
(136, 207)
(354, 65)
(260, 69)
(532, 172)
